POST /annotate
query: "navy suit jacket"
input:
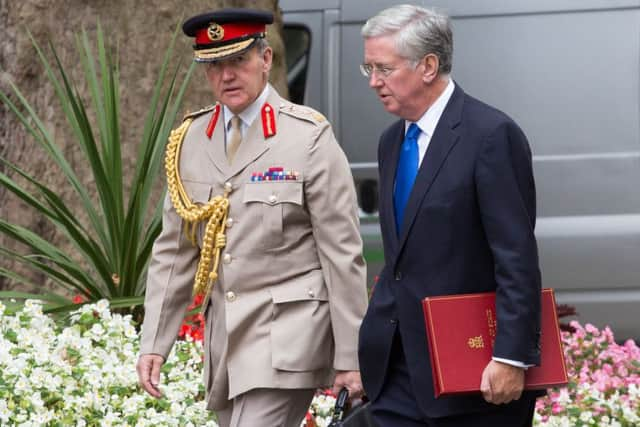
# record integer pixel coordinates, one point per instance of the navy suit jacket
(468, 227)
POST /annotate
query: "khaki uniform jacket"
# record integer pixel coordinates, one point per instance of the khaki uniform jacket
(291, 292)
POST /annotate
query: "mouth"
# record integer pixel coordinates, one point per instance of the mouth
(232, 90)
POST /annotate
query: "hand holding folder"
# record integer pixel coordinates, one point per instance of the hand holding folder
(461, 344)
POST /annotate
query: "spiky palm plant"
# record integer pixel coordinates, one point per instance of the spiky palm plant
(115, 242)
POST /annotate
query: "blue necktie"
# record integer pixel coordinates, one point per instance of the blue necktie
(406, 172)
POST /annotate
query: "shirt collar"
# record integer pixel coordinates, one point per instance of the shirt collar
(427, 123)
(249, 114)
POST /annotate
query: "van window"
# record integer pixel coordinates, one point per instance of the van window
(297, 42)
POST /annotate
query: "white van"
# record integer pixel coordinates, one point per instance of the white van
(567, 71)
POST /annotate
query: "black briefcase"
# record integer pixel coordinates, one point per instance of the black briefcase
(356, 416)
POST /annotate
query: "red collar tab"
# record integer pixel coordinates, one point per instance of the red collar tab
(219, 33)
(268, 121)
(214, 119)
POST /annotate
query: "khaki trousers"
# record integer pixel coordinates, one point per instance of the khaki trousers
(267, 407)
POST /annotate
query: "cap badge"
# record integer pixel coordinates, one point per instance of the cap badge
(215, 32)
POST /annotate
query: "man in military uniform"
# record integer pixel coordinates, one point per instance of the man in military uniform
(262, 212)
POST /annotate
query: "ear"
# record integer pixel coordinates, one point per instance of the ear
(267, 58)
(431, 64)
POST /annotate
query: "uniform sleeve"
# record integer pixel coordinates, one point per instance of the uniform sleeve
(506, 197)
(332, 204)
(169, 284)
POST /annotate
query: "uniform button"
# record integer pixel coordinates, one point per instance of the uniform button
(311, 294)
(227, 186)
(273, 198)
(398, 275)
(231, 296)
(230, 222)
(226, 258)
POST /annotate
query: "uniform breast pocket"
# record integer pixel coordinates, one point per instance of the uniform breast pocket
(273, 204)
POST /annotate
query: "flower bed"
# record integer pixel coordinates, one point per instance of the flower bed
(604, 383)
(83, 373)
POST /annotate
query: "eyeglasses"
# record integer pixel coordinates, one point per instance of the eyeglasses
(382, 71)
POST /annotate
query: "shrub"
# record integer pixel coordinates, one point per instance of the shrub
(115, 242)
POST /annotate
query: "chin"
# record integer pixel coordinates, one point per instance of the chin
(235, 105)
(391, 109)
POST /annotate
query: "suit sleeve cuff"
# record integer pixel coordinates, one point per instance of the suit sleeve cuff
(515, 363)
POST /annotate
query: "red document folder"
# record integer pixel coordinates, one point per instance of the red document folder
(461, 330)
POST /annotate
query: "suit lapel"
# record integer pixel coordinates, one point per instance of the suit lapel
(443, 140)
(396, 136)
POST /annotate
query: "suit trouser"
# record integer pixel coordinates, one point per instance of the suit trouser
(267, 407)
(396, 405)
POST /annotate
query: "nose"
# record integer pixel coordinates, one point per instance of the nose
(227, 73)
(374, 80)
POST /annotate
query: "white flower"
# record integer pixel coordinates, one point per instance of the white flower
(21, 416)
(33, 307)
(21, 386)
(5, 413)
(586, 416)
(130, 331)
(102, 307)
(25, 338)
(110, 419)
(41, 418)
(96, 372)
(97, 329)
(631, 415)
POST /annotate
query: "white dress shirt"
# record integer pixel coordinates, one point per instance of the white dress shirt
(427, 124)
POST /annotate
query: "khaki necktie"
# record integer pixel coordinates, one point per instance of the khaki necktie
(236, 138)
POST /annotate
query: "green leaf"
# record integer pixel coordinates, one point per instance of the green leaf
(111, 234)
(46, 297)
(11, 336)
(122, 302)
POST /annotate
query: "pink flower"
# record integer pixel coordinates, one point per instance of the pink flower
(592, 330)
(556, 408)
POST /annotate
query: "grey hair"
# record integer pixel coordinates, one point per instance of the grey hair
(417, 32)
(261, 44)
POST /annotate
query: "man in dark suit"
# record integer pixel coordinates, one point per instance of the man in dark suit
(457, 212)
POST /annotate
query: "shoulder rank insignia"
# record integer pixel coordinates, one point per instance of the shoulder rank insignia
(214, 117)
(268, 120)
(303, 112)
(199, 112)
(318, 116)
